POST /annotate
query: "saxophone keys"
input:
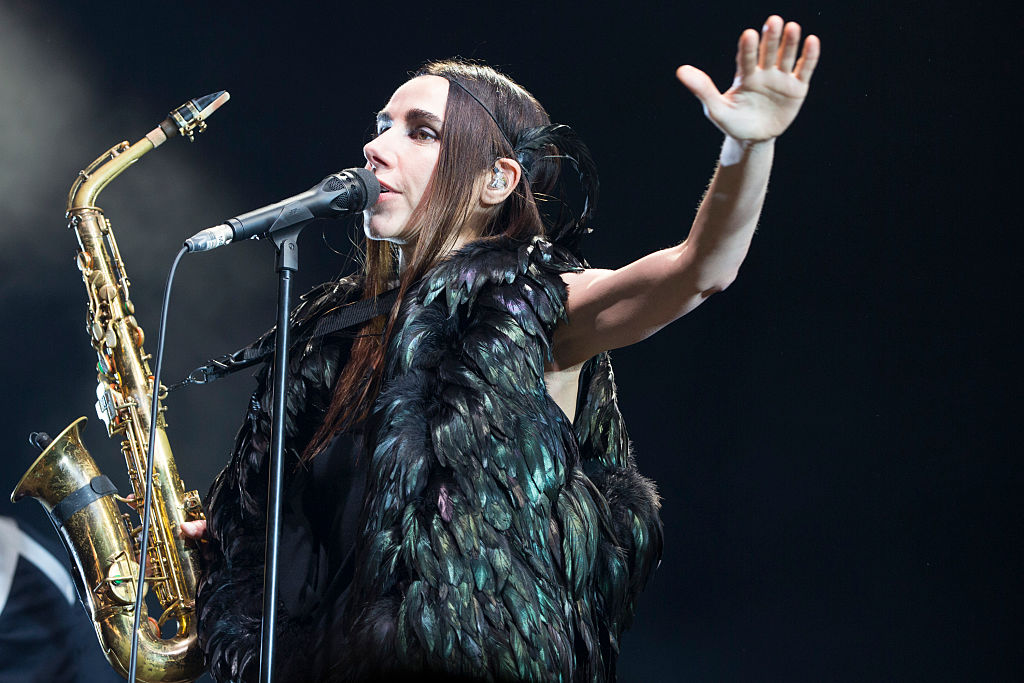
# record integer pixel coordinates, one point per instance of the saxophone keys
(119, 582)
(193, 507)
(106, 292)
(107, 402)
(104, 368)
(84, 261)
(136, 331)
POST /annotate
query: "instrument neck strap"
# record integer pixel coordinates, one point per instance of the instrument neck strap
(339, 320)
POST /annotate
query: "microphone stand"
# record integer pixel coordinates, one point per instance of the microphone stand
(287, 263)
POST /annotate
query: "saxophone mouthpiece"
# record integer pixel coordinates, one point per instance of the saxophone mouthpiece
(211, 103)
(189, 118)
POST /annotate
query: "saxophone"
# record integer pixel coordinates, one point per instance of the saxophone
(101, 541)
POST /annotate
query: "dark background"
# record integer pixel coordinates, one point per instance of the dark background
(835, 437)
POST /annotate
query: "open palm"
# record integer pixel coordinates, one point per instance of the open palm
(770, 83)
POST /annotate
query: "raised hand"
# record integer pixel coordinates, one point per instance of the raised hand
(770, 83)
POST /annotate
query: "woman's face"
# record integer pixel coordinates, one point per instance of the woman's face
(404, 154)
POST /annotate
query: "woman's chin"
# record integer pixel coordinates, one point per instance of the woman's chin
(384, 235)
(385, 238)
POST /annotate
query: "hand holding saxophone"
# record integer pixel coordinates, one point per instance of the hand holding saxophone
(192, 530)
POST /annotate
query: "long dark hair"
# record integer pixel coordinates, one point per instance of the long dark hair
(471, 140)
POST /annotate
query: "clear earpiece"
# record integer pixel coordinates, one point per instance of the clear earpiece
(500, 182)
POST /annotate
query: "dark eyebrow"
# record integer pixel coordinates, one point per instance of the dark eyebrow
(413, 115)
(424, 115)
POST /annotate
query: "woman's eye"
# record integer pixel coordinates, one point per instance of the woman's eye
(423, 134)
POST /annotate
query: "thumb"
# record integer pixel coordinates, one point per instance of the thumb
(195, 529)
(697, 82)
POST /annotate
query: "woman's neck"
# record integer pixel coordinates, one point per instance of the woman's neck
(407, 249)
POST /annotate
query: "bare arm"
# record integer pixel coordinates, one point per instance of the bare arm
(613, 308)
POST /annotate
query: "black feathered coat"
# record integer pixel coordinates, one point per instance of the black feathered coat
(483, 535)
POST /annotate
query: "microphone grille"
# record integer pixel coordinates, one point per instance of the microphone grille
(345, 200)
(357, 189)
(333, 184)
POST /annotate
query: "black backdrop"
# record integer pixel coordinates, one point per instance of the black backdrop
(833, 436)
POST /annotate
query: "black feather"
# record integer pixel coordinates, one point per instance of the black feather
(539, 150)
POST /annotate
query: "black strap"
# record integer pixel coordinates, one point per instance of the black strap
(353, 314)
(335, 321)
(97, 488)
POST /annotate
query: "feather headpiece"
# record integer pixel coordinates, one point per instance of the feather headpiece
(539, 151)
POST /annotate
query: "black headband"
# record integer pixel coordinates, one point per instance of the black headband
(483, 106)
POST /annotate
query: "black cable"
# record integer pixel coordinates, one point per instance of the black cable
(153, 415)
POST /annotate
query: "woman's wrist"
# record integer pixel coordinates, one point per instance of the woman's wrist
(735, 150)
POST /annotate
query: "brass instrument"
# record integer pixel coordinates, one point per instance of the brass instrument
(101, 541)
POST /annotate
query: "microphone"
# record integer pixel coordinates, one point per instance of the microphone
(339, 194)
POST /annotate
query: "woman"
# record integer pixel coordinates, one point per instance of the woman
(494, 525)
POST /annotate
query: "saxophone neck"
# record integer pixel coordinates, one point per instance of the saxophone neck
(105, 168)
(186, 120)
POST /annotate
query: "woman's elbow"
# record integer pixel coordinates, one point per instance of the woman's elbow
(717, 284)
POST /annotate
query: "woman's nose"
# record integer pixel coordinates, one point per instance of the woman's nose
(375, 153)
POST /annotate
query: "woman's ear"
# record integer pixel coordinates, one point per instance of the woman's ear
(500, 181)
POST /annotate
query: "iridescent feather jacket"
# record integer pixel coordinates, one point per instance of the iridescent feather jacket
(469, 531)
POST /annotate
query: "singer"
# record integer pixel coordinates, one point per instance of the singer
(461, 501)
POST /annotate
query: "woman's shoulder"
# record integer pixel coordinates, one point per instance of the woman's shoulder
(327, 296)
(532, 267)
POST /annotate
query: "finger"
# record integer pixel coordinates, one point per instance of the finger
(697, 82)
(808, 60)
(770, 34)
(746, 53)
(790, 44)
(194, 530)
